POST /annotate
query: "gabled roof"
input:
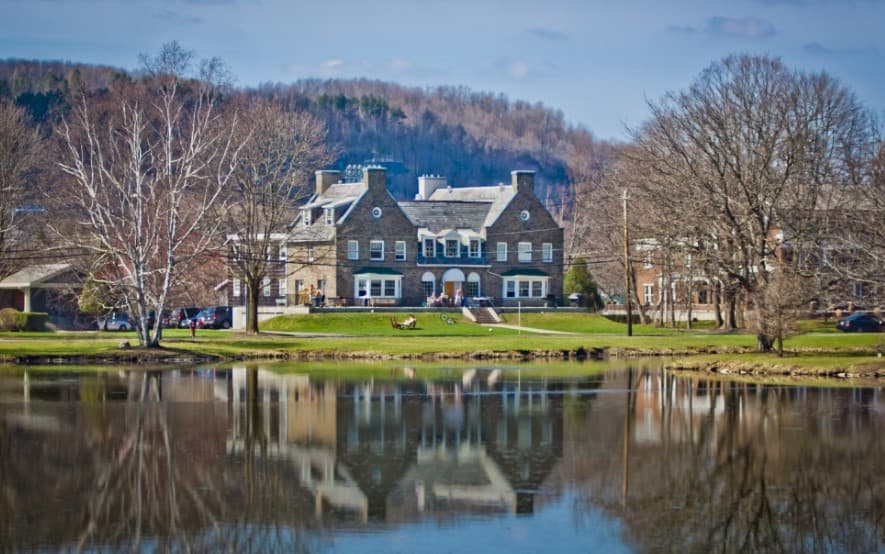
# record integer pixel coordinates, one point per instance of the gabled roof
(438, 216)
(499, 196)
(337, 194)
(34, 275)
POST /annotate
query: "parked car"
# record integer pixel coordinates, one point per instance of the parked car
(116, 321)
(215, 317)
(861, 323)
(179, 317)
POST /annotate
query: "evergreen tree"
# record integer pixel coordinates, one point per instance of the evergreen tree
(578, 279)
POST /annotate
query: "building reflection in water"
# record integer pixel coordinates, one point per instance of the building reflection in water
(674, 463)
(394, 450)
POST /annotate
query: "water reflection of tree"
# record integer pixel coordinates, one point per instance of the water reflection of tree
(148, 494)
(735, 477)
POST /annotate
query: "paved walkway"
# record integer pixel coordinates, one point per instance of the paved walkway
(528, 329)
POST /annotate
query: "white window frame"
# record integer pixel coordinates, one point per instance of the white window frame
(380, 284)
(428, 242)
(329, 216)
(648, 293)
(265, 286)
(530, 284)
(353, 250)
(400, 250)
(474, 249)
(283, 287)
(457, 250)
(525, 251)
(310, 253)
(237, 286)
(283, 252)
(376, 254)
(501, 252)
(547, 252)
(306, 217)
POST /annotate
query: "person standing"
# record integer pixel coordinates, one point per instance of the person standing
(459, 298)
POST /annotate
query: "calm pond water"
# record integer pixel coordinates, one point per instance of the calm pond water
(586, 458)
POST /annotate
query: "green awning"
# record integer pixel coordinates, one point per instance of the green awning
(377, 271)
(526, 272)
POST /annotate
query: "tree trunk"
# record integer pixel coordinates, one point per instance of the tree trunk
(764, 342)
(717, 304)
(252, 288)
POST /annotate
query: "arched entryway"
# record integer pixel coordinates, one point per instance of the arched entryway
(452, 280)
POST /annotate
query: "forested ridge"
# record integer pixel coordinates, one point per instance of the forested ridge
(472, 138)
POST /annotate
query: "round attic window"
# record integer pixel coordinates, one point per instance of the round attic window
(376, 212)
(524, 215)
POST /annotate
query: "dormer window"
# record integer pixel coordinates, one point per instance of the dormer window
(453, 248)
(475, 248)
(305, 217)
(429, 248)
(329, 216)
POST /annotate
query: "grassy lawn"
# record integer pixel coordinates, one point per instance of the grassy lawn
(371, 334)
(379, 324)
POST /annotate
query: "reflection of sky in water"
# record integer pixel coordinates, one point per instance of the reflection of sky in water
(555, 527)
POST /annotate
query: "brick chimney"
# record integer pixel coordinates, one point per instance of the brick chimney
(375, 177)
(523, 180)
(326, 178)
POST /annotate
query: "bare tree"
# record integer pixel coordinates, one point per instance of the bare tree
(279, 153)
(740, 160)
(20, 156)
(145, 173)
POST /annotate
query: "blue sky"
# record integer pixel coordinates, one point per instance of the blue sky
(596, 61)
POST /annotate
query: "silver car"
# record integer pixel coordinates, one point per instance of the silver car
(116, 321)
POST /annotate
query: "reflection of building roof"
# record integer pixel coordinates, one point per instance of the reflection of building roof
(37, 275)
(442, 477)
(437, 216)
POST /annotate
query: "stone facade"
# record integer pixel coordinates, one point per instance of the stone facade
(360, 246)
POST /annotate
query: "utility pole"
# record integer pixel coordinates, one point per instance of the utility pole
(628, 301)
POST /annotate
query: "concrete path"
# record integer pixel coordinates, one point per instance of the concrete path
(528, 329)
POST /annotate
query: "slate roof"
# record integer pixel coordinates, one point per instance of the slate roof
(499, 196)
(318, 232)
(337, 194)
(438, 216)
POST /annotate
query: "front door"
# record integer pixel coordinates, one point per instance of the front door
(449, 288)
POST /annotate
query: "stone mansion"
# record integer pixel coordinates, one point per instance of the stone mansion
(360, 246)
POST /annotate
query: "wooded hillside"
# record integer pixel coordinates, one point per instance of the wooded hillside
(470, 137)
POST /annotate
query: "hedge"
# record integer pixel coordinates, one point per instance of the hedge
(14, 320)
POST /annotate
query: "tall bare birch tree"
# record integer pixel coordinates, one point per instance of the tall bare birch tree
(145, 171)
(741, 162)
(280, 152)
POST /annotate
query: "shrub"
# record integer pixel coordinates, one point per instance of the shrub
(14, 320)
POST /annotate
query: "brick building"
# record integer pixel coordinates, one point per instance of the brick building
(358, 245)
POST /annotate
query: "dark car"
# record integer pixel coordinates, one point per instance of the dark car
(179, 317)
(215, 317)
(861, 323)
